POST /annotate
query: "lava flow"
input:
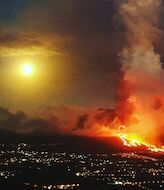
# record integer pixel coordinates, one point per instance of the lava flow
(130, 140)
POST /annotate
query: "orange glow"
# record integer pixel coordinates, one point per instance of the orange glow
(131, 140)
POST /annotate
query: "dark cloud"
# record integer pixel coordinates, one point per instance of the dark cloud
(4, 112)
(105, 116)
(58, 120)
(102, 117)
(81, 122)
(17, 44)
(51, 120)
(21, 123)
(12, 39)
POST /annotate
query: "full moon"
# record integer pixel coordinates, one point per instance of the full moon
(26, 69)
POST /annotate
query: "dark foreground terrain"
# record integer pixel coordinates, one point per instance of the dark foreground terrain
(67, 163)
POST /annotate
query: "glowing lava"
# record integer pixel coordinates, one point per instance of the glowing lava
(130, 140)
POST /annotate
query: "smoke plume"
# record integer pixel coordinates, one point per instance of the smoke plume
(140, 94)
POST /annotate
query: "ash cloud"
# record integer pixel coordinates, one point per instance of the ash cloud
(58, 120)
(81, 122)
(105, 116)
(140, 94)
(20, 122)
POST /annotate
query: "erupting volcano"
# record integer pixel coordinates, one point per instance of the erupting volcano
(140, 95)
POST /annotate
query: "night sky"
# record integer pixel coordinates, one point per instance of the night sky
(75, 45)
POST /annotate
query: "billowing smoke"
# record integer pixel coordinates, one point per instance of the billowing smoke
(57, 120)
(20, 122)
(140, 106)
